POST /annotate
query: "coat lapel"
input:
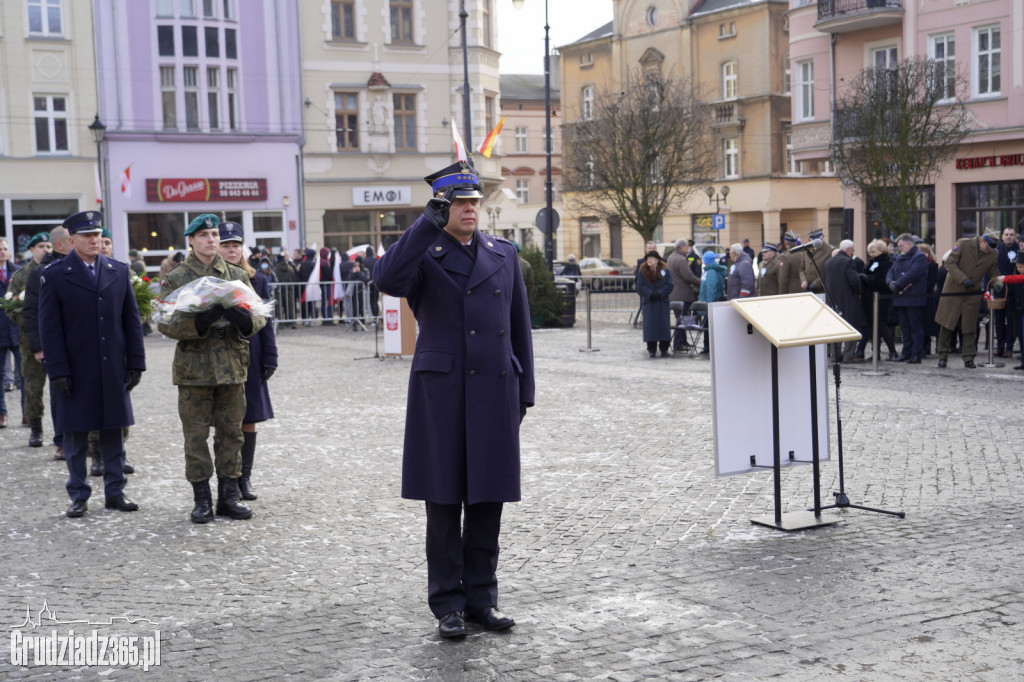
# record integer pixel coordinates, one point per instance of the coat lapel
(488, 260)
(451, 257)
(106, 274)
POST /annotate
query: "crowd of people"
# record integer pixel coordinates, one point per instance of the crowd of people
(932, 305)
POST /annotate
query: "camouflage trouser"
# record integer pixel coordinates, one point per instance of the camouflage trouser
(94, 438)
(223, 408)
(35, 381)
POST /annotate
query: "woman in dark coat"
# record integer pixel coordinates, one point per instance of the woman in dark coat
(873, 279)
(654, 284)
(262, 358)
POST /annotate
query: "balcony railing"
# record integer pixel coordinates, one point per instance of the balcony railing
(832, 9)
(724, 115)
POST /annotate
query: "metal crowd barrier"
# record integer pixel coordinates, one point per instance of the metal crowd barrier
(349, 303)
(608, 293)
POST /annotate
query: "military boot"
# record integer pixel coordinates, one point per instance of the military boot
(96, 468)
(227, 500)
(248, 454)
(203, 512)
(35, 438)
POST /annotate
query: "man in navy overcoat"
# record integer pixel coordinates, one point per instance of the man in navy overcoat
(91, 335)
(470, 383)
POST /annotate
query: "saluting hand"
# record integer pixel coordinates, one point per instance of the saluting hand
(437, 208)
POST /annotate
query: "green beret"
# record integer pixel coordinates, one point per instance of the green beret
(38, 238)
(205, 221)
(106, 233)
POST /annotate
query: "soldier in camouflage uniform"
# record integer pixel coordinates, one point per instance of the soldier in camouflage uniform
(31, 368)
(210, 367)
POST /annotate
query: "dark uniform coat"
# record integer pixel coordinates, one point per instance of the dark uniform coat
(8, 327)
(844, 285)
(965, 261)
(262, 353)
(90, 331)
(472, 368)
(768, 283)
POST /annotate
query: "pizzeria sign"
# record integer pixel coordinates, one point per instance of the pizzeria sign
(206, 189)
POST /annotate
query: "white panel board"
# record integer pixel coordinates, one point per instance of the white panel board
(741, 393)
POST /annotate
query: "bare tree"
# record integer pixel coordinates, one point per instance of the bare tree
(894, 130)
(641, 151)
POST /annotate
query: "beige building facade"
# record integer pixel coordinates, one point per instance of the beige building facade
(383, 84)
(737, 54)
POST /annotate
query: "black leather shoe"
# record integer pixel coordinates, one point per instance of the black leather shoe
(491, 619)
(942, 363)
(969, 364)
(128, 468)
(892, 356)
(901, 359)
(914, 361)
(120, 503)
(77, 508)
(452, 626)
(1020, 366)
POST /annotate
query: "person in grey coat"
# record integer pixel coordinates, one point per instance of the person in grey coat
(470, 382)
(739, 283)
(685, 285)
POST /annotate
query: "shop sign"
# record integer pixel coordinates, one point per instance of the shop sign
(206, 189)
(973, 162)
(382, 196)
(590, 228)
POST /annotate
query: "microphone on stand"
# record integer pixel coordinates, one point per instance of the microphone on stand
(813, 244)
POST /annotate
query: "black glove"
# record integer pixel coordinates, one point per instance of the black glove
(968, 283)
(240, 317)
(62, 384)
(132, 378)
(205, 319)
(268, 372)
(522, 412)
(894, 288)
(437, 208)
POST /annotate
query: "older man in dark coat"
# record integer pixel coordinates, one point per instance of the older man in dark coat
(91, 335)
(470, 383)
(842, 284)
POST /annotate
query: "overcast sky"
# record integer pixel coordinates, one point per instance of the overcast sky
(521, 32)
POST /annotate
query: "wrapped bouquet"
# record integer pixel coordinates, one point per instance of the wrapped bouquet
(12, 302)
(206, 292)
(143, 295)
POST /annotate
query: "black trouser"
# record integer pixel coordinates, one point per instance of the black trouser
(462, 558)
(76, 445)
(652, 346)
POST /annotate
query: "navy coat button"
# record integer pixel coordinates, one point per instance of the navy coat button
(472, 372)
(468, 292)
(501, 333)
(503, 373)
(472, 332)
(497, 292)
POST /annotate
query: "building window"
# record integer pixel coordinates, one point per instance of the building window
(727, 31)
(787, 75)
(405, 122)
(51, 119)
(521, 140)
(729, 82)
(233, 99)
(343, 20)
(884, 57)
(942, 52)
(213, 96)
(165, 41)
(189, 41)
(793, 167)
(44, 17)
(652, 16)
(346, 121)
(587, 59)
(587, 97)
(229, 10)
(212, 34)
(490, 106)
(190, 81)
(805, 90)
(169, 97)
(401, 21)
(987, 206)
(522, 191)
(732, 158)
(485, 21)
(188, 8)
(986, 58)
(209, 9)
(165, 8)
(230, 45)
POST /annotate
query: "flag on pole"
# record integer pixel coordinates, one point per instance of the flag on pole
(99, 186)
(460, 146)
(126, 182)
(312, 292)
(487, 146)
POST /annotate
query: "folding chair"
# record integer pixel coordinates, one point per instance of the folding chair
(694, 325)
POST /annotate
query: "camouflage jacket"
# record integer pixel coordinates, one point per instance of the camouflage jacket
(220, 355)
(16, 286)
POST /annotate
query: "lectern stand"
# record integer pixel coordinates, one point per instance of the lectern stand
(791, 322)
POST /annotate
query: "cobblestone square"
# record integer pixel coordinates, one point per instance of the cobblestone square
(627, 558)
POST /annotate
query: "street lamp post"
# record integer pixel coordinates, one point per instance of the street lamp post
(549, 227)
(718, 198)
(99, 131)
(466, 120)
(493, 213)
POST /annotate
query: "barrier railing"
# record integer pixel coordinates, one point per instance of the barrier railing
(325, 303)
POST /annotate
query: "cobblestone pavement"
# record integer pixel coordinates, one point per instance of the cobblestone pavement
(627, 559)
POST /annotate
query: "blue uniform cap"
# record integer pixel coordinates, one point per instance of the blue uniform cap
(38, 238)
(991, 238)
(86, 222)
(767, 246)
(459, 175)
(230, 232)
(816, 234)
(205, 221)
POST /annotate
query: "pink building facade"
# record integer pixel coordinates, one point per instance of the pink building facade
(983, 187)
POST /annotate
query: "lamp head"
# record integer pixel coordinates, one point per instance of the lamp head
(97, 129)
(725, 190)
(518, 4)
